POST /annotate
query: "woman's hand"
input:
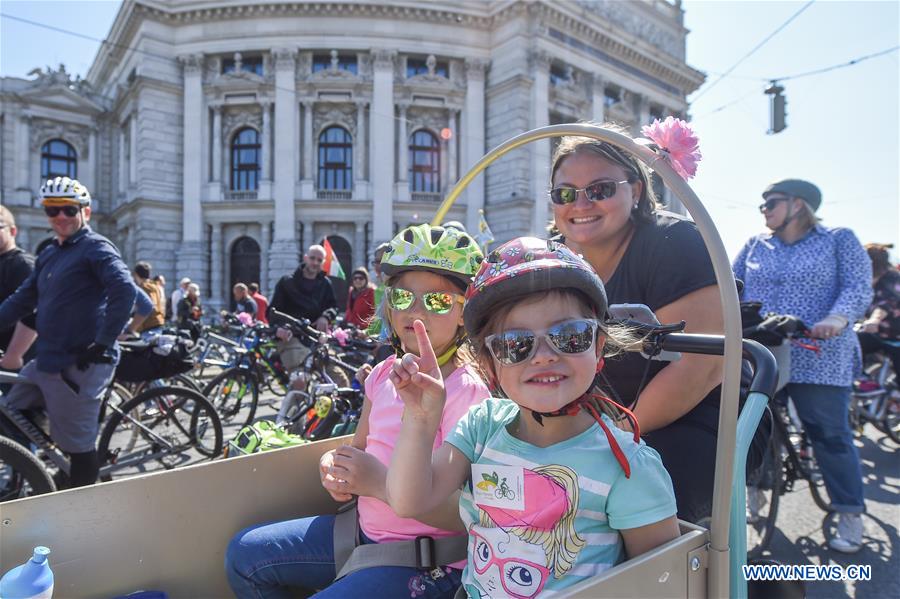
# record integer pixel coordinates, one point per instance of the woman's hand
(830, 326)
(331, 484)
(355, 472)
(419, 382)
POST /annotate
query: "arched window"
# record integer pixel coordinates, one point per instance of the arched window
(424, 162)
(245, 160)
(245, 262)
(58, 159)
(335, 159)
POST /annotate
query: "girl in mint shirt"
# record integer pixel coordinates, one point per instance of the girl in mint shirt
(556, 484)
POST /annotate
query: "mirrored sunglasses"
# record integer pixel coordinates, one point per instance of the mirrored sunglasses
(595, 192)
(566, 338)
(53, 211)
(771, 202)
(437, 302)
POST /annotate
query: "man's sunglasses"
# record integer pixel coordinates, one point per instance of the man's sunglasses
(566, 338)
(437, 302)
(595, 192)
(53, 211)
(771, 202)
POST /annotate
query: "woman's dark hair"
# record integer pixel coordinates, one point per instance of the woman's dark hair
(878, 254)
(634, 169)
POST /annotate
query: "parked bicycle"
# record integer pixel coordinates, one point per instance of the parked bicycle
(876, 398)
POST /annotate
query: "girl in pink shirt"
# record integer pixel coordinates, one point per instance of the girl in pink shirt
(428, 270)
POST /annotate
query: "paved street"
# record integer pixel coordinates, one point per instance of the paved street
(799, 538)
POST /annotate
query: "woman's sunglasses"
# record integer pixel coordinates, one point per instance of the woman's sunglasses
(595, 192)
(566, 338)
(437, 302)
(53, 211)
(771, 202)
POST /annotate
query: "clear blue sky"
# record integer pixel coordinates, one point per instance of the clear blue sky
(843, 131)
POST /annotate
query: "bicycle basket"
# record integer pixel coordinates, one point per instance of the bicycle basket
(139, 364)
(263, 435)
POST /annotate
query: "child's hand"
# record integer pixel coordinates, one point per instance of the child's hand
(328, 481)
(355, 472)
(418, 380)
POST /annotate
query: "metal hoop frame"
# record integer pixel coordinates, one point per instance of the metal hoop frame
(719, 527)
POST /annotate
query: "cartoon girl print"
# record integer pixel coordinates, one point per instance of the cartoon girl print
(516, 551)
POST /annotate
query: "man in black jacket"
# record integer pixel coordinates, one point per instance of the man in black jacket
(15, 266)
(305, 294)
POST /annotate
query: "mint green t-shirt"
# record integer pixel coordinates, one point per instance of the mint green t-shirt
(541, 519)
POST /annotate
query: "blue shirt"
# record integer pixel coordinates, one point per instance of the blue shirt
(541, 519)
(825, 272)
(83, 293)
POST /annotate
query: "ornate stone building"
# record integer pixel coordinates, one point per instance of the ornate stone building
(220, 138)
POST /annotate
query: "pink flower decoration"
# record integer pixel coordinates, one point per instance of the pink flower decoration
(341, 336)
(246, 319)
(677, 143)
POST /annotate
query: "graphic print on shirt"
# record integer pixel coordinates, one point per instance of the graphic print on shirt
(515, 551)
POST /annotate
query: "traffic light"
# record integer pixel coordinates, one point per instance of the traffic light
(776, 109)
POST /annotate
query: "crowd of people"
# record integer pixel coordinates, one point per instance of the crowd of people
(542, 452)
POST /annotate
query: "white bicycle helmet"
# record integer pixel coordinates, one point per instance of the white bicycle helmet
(63, 190)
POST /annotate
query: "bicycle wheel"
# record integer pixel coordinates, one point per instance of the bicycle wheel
(764, 488)
(160, 429)
(235, 395)
(890, 421)
(21, 473)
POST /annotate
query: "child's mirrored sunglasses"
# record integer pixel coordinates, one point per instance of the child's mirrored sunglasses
(69, 211)
(570, 337)
(595, 192)
(437, 302)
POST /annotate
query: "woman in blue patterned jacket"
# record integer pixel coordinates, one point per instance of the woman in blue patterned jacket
(823, 276)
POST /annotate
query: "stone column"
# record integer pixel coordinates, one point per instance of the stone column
(132, 141)
(452, 143)
(359, 249)
(191, 255)
(540, 150)
(264, 241)
(217, 144)
(381, 121)
(216, 275)
(307, 186)
(22, 155)
(402, 186)
(266, 147)
(123, 164)
(473, 138)
(642, 113)
(598, 99)
(89, 176)
(360, 191)
(283, 254)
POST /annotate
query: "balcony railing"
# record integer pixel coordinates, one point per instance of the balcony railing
(425, 196)
(334, 194)
(240, 196)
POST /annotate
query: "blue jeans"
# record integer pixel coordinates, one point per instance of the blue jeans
(265, 559)
(824, 409)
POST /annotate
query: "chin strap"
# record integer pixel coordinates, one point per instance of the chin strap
(787, 220)
(588, 402)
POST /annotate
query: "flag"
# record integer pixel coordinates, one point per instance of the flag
(484, 237)
(332, 265)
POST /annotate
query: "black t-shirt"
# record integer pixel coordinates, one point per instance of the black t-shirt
(300, 297)
(15, 266)
(664, 261)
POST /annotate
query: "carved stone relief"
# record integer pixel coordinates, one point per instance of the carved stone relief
(621, 14)
(419, 117)
(42, 131)
(234, 119)
(327, 113)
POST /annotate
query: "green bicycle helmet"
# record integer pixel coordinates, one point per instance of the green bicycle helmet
(448, 252)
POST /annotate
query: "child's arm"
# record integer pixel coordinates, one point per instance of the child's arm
(418, 482)
(644, 538)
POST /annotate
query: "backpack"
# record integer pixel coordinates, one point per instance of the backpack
(263, 435)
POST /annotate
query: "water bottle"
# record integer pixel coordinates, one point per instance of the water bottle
(31, 580)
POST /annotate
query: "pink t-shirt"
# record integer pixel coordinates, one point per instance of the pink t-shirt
(464, 389)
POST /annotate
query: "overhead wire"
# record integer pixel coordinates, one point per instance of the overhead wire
(754, 49)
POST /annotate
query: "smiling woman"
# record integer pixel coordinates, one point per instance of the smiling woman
(648, 256)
